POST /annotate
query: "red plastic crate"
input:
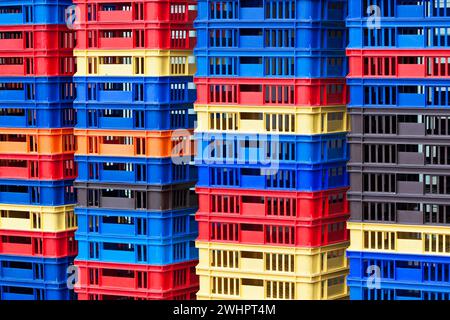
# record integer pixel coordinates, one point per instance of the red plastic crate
(42, 244)
(272, 205)
(154, 282)
(260, 233)
(273, 92)
(37, 63)
(130, 11)
(104, 294)
(137, 36)
(37, 167)
(36, 37)
(399, 63)
(273, 233)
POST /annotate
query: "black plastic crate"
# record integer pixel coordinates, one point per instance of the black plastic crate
(136, 197)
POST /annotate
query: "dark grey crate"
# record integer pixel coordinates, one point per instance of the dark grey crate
(136, 197)
(404, 154)
(402, 123)
(400, 210)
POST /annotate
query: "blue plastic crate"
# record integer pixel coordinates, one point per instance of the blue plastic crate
(36, 192)
(271, 64)
(274, 36)
(33, 12)
(261, 149)
(360, 291)
(36, 92)
(153, 171)
(401, 10)
(156, 225)
(143, 117)
(37, 102)
(391, 36)
(279, 10)
(275, 176)
(31, 291)
(34, 269)
(410, 93)
(133, 250)
(54, 115)
(402, 269)
(135, 92)
(401, 276)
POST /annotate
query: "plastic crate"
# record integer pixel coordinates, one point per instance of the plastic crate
(135, 197)
(306, 63)
(97, 116)
(398, 209)
(402, 93)
(36, 167)
(302, 263)
(412, 182)
(32, 291)
(153, 282)
(418, 64)
(37, 218)
(37, 270)
(393, 36)
(36, 141)
(359, 291)
(268, 37)
(37, 192)
(294, 120)
(37, 63)
(154, 171)
(401, 11)
(275, 206)
(163, 225)
(33, 12)
(272, 92)
(414, 124)
(275, 176)
(260, 231)
(269, 10)
(135, 93)
(399, 238)
(137, 11)
(260, 149)
(101, 294)
(149, 35)
(51, 116)
(41, 102)
(38, 244)
(35, 37)
(125, 63)
(36, 92)
(401, 271)
(131, 250)
(134, 143)
(404, 155)
(230, 285)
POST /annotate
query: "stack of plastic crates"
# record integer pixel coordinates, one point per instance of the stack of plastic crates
(271, 149)
(37, 221)
(399, 84)
(135, 95)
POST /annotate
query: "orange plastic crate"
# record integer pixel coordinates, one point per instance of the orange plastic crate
(129, 143)
(36, 141)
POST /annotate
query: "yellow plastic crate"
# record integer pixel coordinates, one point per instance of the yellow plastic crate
(152, 63)
(37, 218)
(270, 120)
(226, 285)
(303, 263)
(397, 238)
